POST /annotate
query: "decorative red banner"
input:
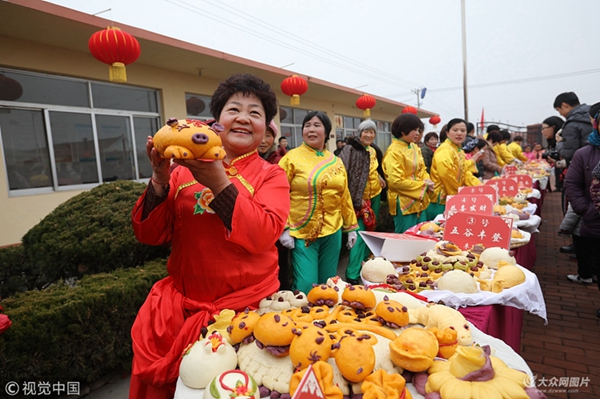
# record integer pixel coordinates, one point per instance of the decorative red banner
(505, 186)
(468, 229)
(509, 169)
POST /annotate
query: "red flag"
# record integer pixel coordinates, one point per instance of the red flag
(482, 119)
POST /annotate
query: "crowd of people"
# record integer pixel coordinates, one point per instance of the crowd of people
(268, 218)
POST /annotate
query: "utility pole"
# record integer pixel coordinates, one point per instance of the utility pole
(418, 93)
(464, 54)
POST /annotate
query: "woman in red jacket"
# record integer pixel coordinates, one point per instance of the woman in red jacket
(209, 212)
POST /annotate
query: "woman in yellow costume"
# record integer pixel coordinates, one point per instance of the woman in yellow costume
(406, 174)
(321, 206)
(450, 169)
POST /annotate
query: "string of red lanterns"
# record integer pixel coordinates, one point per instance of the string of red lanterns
(116, 48)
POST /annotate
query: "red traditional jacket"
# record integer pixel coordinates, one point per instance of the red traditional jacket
(210, 267)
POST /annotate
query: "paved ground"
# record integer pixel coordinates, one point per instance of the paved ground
(565, 351)
(569, 346)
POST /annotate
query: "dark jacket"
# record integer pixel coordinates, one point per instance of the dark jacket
(357, 162)
(575, 131)
(577, 189)
(427, 154)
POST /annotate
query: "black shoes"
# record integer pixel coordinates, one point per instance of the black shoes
(598, 312)
(567, 249)
(352, 281)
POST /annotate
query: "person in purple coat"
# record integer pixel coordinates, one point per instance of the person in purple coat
(577, 189)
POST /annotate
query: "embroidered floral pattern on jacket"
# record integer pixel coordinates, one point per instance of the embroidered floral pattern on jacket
(204, 198)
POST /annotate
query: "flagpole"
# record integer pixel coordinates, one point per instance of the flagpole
(464, 54)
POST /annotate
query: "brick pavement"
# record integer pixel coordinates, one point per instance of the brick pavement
(569, 345)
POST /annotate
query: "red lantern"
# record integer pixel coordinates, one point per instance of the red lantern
(409, 110)
(294, 86)
(115, 48)
(366, 102)
(10, 89)
(434, 120)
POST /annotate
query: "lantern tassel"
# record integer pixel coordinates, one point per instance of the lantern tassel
(295, 100)
(117, 72)
(367, 113)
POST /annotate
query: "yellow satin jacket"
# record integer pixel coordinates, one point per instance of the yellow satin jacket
(373, 186)
(503, 155)
(405, 173)
(320, 203)
(451, 170)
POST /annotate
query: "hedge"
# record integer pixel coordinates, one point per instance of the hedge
(89, 233)
(75, 333)
(16, 275)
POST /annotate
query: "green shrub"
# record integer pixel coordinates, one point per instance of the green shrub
(90, 233)
(16, 274)
(75, 333)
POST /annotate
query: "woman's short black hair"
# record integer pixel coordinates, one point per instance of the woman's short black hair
(494, 136)
(246, 84)
(406, 123)
(456, 121)
(323, 118)
(430, 135)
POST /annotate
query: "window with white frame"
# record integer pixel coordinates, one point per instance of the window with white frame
(291, 125)
(346, 126)
(60, 133)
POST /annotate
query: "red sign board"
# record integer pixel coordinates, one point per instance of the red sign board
(309, 387)
(469, 229)
(504, 186)
(476, 203)
(523, 180)
(509, 169)
(489, 191)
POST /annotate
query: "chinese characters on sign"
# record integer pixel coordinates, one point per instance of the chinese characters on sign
(505, 186)
(468, 203)
(490, 191)
(509, 169)
(468, 229)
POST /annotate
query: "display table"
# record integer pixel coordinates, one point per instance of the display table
(502, 322)
(526, 254)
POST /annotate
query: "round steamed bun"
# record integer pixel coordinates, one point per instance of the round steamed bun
(491, 257)
(457, 281)
(377, 269)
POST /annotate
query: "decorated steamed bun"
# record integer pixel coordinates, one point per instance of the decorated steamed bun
(206, 359)
(232, 384)
(189, 139)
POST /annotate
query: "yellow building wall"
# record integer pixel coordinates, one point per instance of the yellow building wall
(21, 213)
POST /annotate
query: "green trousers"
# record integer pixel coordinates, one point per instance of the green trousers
(435, 209)
(405, 222)
(360, 251)
(317, 262)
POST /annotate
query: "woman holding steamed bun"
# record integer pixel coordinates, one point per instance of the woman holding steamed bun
(209, 212)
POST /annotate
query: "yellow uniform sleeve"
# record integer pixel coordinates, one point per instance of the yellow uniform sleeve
(517, 151)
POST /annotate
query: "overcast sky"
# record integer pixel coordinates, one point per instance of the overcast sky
(520, 53)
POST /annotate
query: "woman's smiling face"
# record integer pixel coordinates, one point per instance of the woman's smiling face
(243, 119)
(313, 133)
